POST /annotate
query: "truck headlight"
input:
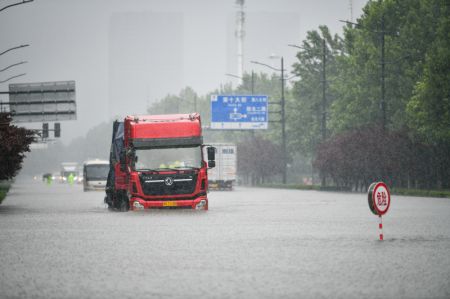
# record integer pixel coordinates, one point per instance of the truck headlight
(137, 205)
(201, 205)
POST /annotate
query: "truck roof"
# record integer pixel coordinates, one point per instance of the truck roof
(164, 126)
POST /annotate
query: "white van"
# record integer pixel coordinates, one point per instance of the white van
(95, 174)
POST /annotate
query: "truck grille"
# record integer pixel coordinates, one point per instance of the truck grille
(168, 184)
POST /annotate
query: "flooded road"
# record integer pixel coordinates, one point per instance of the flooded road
(60, 242)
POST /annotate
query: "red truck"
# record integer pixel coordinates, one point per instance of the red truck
(157, 161)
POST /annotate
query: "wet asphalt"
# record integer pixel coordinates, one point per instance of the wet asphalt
(60, 242)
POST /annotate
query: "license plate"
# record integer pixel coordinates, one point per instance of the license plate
(169, 204)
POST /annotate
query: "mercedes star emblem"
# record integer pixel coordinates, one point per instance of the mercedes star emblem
(168, 181)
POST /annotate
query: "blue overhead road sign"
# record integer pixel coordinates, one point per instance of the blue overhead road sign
(239, 112)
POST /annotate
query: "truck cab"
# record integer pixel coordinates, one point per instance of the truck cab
(157, 161)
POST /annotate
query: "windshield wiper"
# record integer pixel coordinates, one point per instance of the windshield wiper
(186, 167)
(146, 169)
(158, 169)
(177, 168)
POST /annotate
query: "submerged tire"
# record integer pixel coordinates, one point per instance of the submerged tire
(124, 205)
(108, 202)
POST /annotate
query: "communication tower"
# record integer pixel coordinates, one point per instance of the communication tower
(240, 33)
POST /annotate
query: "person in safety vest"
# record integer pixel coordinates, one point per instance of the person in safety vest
(70, 179)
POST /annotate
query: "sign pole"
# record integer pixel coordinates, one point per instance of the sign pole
(380, 226)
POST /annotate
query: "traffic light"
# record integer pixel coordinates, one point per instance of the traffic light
(57, 130)
(45, 130)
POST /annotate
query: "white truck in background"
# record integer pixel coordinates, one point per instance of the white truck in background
(67, 169)
(223, 176)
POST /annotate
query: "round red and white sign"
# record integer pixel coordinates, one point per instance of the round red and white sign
(379, 198)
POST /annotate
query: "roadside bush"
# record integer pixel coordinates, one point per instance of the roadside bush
(359, 157)
(259, 160)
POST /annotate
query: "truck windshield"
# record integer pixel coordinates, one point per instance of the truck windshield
(97, 172)
(168, 158)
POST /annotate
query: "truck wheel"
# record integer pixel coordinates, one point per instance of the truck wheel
(108, 202)
(124, 202)
(124, 206)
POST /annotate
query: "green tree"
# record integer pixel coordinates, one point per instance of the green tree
(416, 40)
(307, 106)
(429, 108)
(408, 28)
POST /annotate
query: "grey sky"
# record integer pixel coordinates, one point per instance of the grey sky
(126, 54)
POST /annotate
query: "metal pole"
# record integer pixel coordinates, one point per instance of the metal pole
(10, 78)
(12, 65)
(10, 49)
(253, 92)
(383, 102)
(253, 82)
(283, 124)
(324, 99)
(11, 5)
(380, 228)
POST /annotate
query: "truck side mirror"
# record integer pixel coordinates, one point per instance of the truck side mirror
(211, 157)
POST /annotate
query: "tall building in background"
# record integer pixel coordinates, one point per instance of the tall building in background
(145, 59)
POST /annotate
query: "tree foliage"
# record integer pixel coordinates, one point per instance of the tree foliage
(306, 108)
(259, 159)
(429, 108)
(361, 156)
(14, 143)
(417, 91)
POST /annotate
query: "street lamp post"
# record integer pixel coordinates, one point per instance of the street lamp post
(12, 65)
(14, 4)
(283, 119)
(10, 78)
(13, 48)
(283, 124)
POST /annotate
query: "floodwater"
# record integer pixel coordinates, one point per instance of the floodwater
(60, 242)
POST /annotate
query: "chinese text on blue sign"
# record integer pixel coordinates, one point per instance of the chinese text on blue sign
(239, 112)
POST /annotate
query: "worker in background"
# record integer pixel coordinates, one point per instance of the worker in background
(70, 179)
